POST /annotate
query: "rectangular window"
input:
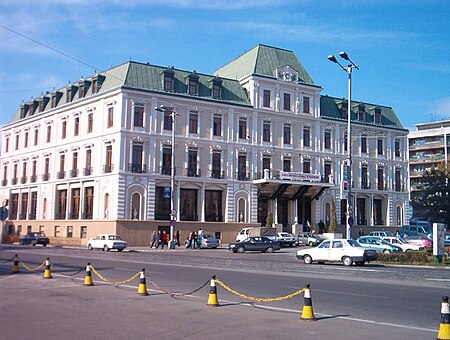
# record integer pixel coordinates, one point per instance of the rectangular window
(377, 116)
(192, 163)
(287, 134)
(327, 173)
(25, 142)
(193, 87)
(397, 148)
(306, 137)
(287, 164)
(306, 166)
(242, 167)
(266, 98)
(46, 169)
(138, 116)
(63, 129)
(33, 171)
(167, 121)
(53, 101)
(136, 158)
(266, 132)
(162, 204)
(16, 146)
(62, 161)
(74, 172)
(188, 205)
(110, 116)
(81, 91)
(287, 101)
(49, 133)
(24, 206)
(36, 137)
(364, 178)
(193, 122)
(213, 206)
(266, 163)
(217, 89)
(57, 231)
(7, 144)
(327, 142)
(108, 159)
(380, 178)
(88, 202)
(68, 95)
(69, 231)
(380, 146)
(306, 108)
(88, 167)
(166, 160)
(363, 144)
(216, 164)
(13, 206)
(90, 122)
(398, 180)
(217, 126)
(83, 231)
(61, 204)
(242, 128)
(76, 128)
(168, 83)
(75, 204)
(33, 206)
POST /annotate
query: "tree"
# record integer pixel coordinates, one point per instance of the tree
(333, 223)
(269, 222)
(435, 194)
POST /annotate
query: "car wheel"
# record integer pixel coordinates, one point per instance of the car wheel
(33, 244)
(105, 248)
(240, 250)
(270, 250)
(90, 247)
(310, 244)
(307, 259)
(119, 250)
(386, 251)
(347, 261)
(44, 244)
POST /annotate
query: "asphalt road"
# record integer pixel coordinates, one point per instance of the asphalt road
(372, 302)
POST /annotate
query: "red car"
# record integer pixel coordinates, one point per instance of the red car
(420, 240)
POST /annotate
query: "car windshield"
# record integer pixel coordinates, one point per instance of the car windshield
(113, 237)
(353, 243)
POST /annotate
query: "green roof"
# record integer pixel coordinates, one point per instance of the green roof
(263, 60)
(332, 108)
(140, 76)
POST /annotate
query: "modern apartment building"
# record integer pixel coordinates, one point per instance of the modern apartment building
(255, 138)
(429, 146)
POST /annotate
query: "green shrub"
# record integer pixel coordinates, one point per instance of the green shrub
(424, 257)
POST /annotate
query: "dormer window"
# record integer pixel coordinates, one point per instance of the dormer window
(377, 115)
(56, 96)
(216, 89)
(81, 91)
(344, 108)
(69, 93)
(168, 79)
(192, 84)
(361, 112)
(97, 81)
(23, 110)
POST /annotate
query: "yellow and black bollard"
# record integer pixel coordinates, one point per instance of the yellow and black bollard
(142, 290)
(88, 277)
(47, 272)
(308, 313)
(444, 328)
(15, 268)
(212, 298)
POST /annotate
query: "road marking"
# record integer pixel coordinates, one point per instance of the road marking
(438, 280)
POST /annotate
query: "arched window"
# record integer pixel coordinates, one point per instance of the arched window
(135, 206)
(241, 210)
(327, 213)
(106, 205)
(399, 215)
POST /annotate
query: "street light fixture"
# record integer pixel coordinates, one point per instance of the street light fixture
(351, 65)
(173, 205)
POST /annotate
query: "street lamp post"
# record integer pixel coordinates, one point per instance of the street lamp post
(351, 65)
(173, 205)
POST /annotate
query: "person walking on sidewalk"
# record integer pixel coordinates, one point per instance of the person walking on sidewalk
(154, 239)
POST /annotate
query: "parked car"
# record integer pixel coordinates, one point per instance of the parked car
(419, 229)
(263, 244)
(402, 243)
(338, 250)
(378, 244)
(285, 239)
(207, 241)
(381, 233)
(420, 240)
(107, 242)
(308, 238)
(34, 238)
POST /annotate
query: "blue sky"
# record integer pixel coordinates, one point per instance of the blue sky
(402, 47)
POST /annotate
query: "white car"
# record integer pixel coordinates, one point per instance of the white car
(338, 250)
(402, 243)
(286, 239)
(107, 242)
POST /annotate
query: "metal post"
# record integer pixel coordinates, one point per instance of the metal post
(349, 154)
(173, 211)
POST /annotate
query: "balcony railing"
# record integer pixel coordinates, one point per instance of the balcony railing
(4, 182)
(45, 177)
(14, 181)
(33, 179)
(192, 172)
(61, 174)
(137, 168)
(165, 171)
(23, 179)
(107, 168)
(32, 216)
(87, 171)
(242, 176)
(73, 173)
(365, 185)
(216, 174)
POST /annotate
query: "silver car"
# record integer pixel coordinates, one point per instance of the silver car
(207, 241)
(308, 238)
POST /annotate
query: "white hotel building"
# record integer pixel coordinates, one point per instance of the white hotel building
(257, 137)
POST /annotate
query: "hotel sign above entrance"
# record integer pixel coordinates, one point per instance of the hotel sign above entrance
(299, 176)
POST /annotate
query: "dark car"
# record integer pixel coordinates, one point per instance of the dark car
(263, 244)
(34, 238)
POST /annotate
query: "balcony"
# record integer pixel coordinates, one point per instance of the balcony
(61, 175)
(22, 216)
(242, 176)
(193, 172)
(73, 173)
(14, 181)
(23, 179)
(33, 179)
(165, 171)
(137, 168)
(45, 177)
(108, 168)
(365, 185)
(4, 182)
(216, 174)
(87, 171)
(380, 186)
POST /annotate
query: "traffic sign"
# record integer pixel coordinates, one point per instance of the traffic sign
(167, 192)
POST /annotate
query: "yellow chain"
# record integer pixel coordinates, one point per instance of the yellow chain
(33, 269)
(114, 282)
(289, 296)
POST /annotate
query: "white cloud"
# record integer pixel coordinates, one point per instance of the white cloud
(442, 108)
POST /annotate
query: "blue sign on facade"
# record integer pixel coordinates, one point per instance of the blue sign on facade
(167, 192)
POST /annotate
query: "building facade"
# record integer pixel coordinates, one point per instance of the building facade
(429, 146)
(256, 138)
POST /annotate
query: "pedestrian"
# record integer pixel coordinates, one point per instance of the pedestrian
(308, 226)
(361, 232)
(165, 239)
(321, 227)
(194, 240)
(154, 239)
(161, 240)
(178, 238)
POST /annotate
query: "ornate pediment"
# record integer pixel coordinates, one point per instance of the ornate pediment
(287, 73)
